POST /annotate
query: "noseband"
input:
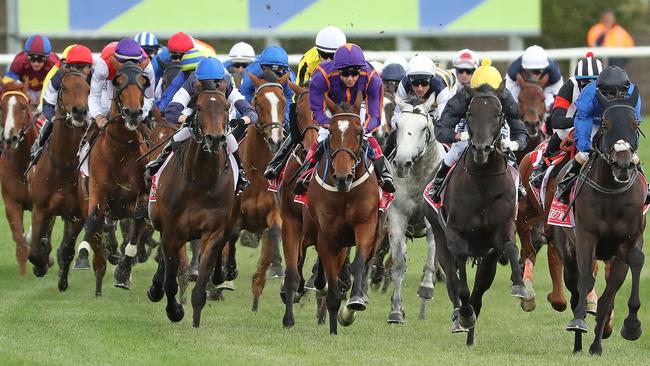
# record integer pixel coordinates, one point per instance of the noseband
(131, 72)
(601, 132)
(494, 143)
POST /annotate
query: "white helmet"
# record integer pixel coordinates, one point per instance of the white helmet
(242, 52)
(465, 59)
(377, 65)
(329, 39)
(534, 58)
(396, 59)
(420, 65)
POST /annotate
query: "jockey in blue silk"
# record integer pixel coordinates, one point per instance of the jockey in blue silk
(275, 59)
(612, 83)
(189, 61)
(148, 42)
(209, 73)
(341, 80)
(533, 65)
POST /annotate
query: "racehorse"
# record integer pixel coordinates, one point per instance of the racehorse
(116, 186)
(259, 210)
(53, 179)
(18, 133)
(532, 109)
(609, 223)
(388, 111)
(344, 206)
(195, 199)
(479, 206)
(417, 153)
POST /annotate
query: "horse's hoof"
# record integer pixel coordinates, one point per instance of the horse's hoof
(595, 350)
(346, 316)
(356, 303)
(557, 305)
(98, 294)
(467, 323)
(155, 294)
(519, 291)
(395, 317)
(631, 330)
(425, 293)
(81, 263)
(276, 271)
(176, 314)
(592, 306)
(63, 285)
(193, 273)
(288, 322)
(226, 285)
(122, 278)
(114, 258)
(455, 324)
(577, 325)
(609, 326)
(40, 271)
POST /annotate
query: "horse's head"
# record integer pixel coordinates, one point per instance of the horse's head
(73, 95)
(414, 133)
(619, 140)
(531, 104)
(211, 115)
(16, 116)
(388, 112)
(270, 103)
(345, 141)
(307, 127)
(130, 82)
(484, 121)
(170, 73)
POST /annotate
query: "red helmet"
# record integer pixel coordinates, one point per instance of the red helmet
(108, 49)
(79, 54)
(180, 42)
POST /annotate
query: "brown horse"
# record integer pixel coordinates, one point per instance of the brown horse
(532, 109)
(259, 210)
(116, 186)
(195, 199)
(18, 133)
(53, 179)
(344, 206)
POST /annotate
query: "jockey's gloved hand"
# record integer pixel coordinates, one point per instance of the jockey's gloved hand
(464, 136)
(507, 144)
(236, 122)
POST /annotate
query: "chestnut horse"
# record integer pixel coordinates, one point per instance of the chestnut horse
(116, 187)
(18, 133)
(344, 206)
(195, 199)
(53, 179)
(532, 110)
(259, 210)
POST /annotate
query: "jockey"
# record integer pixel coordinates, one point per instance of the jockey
(189, 61)
(178, 44)
(448, 128)
(341, 80)
(32, 65)
(391, 76)
(209, 71)
(239, 57)
(564, 110)
(77, 58)
(51, 73)
(148, 42)
(328, 40)
(533, 65)
(464, 63)
(101, 88)
(612, 83)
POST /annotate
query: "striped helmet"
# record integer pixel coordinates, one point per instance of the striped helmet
(192, 58)
(38, 45)
(588, 68)
(146, 39)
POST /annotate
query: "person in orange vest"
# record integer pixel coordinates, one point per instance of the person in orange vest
(607, 33)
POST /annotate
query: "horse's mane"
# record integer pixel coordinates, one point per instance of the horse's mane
(13, 86)
(414, 100)
(486, 88)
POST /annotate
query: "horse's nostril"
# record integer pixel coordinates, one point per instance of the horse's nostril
(408, 164)
(349, 177)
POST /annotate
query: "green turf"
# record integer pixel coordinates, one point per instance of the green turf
(40, 325)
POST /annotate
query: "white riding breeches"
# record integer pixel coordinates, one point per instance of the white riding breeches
(562, 133)
(185, 134)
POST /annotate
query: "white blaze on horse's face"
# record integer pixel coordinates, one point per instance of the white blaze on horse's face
(10, 122)
(622, 145)
(343, 126)
(273, 100)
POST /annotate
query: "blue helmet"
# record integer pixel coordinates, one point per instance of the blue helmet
(146, 39)
(210, 68)
(393, 72)
(274, 55)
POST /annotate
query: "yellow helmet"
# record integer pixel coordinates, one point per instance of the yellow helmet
(64, 55)
(486, 74)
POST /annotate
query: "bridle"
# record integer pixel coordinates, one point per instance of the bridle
(22, 132)
(67, 116)
(494, 145)
(356, 156)
(599, 150)
(262, 128)
(131, 72)
(196, 125)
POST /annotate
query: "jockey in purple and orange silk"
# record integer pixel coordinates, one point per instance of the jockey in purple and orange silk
(32, 65)
(341, 80)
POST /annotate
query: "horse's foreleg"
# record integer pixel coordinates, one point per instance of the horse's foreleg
(398, 269)
(329, 259)
(378, 270)
(135, 239)
(585, 252)
(291, 244)
(155, 291)
(41, 247)
(14, 213)
(516, 273)
(631, 329)
(425, 291)
(482, 282)
(65, 254)
(555, 268)
(170, 249)
(93, 237)
(606, 302)
(212, 246)
(529, 257)
(270, 237)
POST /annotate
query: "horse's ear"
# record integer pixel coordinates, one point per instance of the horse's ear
(604, 102)
(543, 81)
(284, 78)
(429, 102)
(520, 80)
(502, 87)
(114, 63)
(296, 89)
(256, 81)
(357, 102)
(198, 87)
(143, 65)
(330, 105)
(634, 97)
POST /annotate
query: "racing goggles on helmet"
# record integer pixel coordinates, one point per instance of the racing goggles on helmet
(278, 70)
(176, 56)
(420, 81)
(350, 71)
(36, 58)
(151, 51)
(612, 92)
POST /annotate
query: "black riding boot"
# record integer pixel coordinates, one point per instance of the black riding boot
(389, 148)
(303, 182)
(43, 135)
(564, 187)
(552, 149)
(384, 175)
(153, 166)
(242, 181)
(277, 163)
(441, 174)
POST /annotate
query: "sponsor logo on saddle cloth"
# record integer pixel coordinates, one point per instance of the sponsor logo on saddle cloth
(557, 214)
(154, 179)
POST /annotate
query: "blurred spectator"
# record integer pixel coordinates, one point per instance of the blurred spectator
(609, 34)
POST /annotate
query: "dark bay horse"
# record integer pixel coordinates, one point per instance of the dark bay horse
(344, 206)
(259, 210)
(479, 206)
(532, 110)
(18, 133)
(53, 179)
(609, 224)
(195, 199)
(116, 186)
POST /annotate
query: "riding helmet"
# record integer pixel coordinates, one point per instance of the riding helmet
(348, 55)
(180, 42)
(588, 67)
(242, 52)
(534, 58)
(38, 45)
(79, 54)
(210, 68)
(191, 58)
(613, 78)
(486, 74)
(393, 72)
(329, 39)
(128, 50)
(274, 55)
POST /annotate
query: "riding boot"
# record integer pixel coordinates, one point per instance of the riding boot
(242, 181)
(313, 156)
(43, 135)
(153, 166)
(384, 175)
(564, 187)
(537, 175)
(277, 163)
(389, 148)
(441, 174)
(647, 195)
